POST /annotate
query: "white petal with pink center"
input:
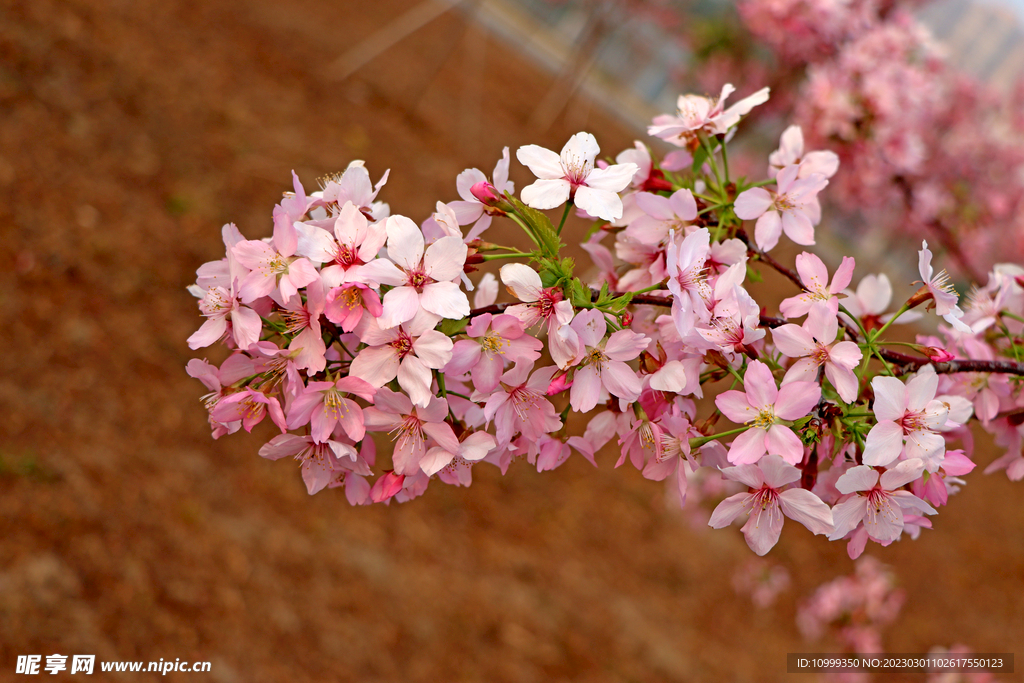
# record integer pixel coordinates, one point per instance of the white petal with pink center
(572, 175)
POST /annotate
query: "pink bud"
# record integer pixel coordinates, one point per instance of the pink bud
(485, 192)
(559, 384)
(386, 487)
(938, 355)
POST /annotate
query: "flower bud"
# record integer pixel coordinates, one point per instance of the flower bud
(487, 195)
(386, 487)
(937, 355)
(919, 297)
(559, 383)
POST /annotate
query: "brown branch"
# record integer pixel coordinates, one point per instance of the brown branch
(909, 363)
(493, 308)
(762, 256)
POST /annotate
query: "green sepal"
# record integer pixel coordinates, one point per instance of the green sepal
(753, 275)
(699, 157)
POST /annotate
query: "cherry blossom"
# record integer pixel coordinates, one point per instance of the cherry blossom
(791, 151)
(878, 502)
(323, 406)
(793, 209)
(320, 462)
(519, 404)
(270, 270)
(696, 113)
(815, 346)
(421, 281)
(411, 427)
(940, 290)
(352, 242)
(408, 352)
(354, 186)
(602, 364)
(471, 209)
(907, 413)
(762, 406)
(766, 504)
(493, 341)
(814, 277)
(871, 301)
(348, 320)
(221, 308)
(572, 175)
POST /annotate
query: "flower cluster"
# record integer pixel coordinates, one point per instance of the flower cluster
(351, 320)
(855, 608)
(925, 148)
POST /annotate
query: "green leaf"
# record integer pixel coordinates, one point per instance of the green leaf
(541, 226)
(579, 294)
(753, 275)
(450, 328)
(549, 273)
(618, 303)
(567, 266)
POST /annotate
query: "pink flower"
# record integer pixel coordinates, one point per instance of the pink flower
(353, 243)
(735, 316)
(292, 208)
(270, 269)
(474, 447)
(907, 413)
(420, 280)
(411, 427)
(486, 291)
(344, 305)
(542, 304)
(519, 405)
(793, 209)
(249, 406)
(661, 216)
(472, 209)
(791, 151)
(321, 462)
(408, 352)
(762, 405)
(323, 406)
(354, 186)
(814, 277)
(303, 320)
(687, 279)
(695, 113)
(237, 366)
(814, 344)
(879, 503)
(572, 176)
(941, 291)
(603, 365)
(219, 306)
(766, 504)
(387, 486)
(870, 302)
(492, 342)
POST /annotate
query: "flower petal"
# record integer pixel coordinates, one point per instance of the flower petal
(546, 194)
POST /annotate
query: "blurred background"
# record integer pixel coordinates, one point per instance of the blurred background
(130, 131)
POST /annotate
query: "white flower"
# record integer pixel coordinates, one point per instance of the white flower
(572, 175)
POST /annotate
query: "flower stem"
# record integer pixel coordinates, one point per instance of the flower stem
(698, 442)
(565, 214)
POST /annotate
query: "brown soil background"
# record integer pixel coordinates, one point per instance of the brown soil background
(130, 131)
